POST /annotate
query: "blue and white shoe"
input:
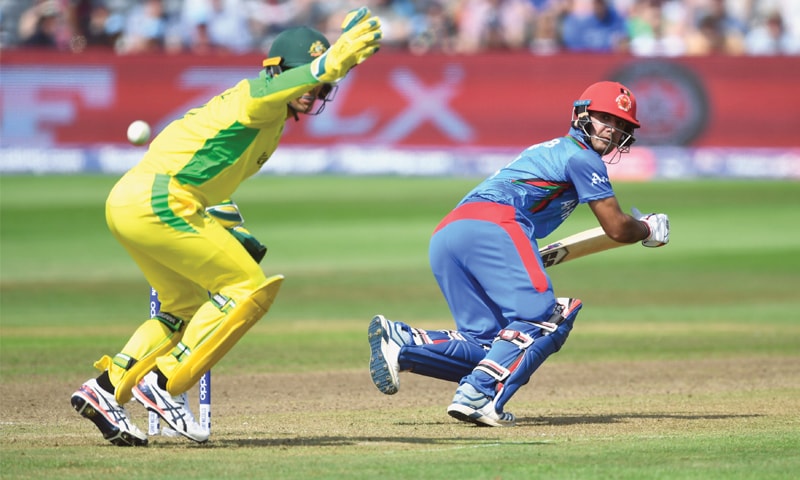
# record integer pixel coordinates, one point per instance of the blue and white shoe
(385, 339)
(99, 406)
(470, 405)
(172, 410)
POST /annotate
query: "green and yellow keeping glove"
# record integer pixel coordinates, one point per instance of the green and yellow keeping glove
(256, 249)
(353, 18)
(228, 215)
(360, 39)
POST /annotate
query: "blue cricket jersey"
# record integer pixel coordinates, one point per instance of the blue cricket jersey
(547, 181)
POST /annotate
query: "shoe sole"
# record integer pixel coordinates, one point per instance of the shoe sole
(86, 408)
(152, 406)
(468, 414)
(378, 366)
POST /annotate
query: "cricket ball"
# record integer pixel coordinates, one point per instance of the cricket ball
(138, 132)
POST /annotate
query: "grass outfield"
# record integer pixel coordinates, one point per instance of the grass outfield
(685, 362)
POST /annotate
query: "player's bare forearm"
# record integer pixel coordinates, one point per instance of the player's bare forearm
(618, 225)
(632, 231)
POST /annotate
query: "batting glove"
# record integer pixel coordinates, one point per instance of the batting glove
(657, 225)
(360, 40)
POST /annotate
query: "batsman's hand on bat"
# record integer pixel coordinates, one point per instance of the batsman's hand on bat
(360, 39)
(657, 225)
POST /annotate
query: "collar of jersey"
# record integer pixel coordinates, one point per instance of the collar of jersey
(578, 142)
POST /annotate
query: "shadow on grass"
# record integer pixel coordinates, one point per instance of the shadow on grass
(565, 420)
(341, 441)
(454, 442)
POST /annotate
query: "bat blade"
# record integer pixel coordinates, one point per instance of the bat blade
(576, 246)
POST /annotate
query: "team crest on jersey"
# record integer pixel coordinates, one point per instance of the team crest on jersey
(316, 49)
(624, 102)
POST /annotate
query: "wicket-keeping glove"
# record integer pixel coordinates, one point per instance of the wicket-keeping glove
(226, 213)
(353, 18)
(657, 224)
(359, 41)
(256, 249)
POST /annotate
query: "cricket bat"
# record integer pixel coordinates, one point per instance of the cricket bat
(576, 246)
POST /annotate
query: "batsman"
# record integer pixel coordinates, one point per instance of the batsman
(485, 257)
(170, 213)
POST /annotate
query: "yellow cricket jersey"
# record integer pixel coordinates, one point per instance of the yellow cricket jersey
(212, 149)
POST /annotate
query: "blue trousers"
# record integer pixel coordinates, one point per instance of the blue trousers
(486, 262)
(488, 268)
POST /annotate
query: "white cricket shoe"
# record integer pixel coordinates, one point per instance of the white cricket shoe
(470, 405)
(385, 340)
(169, 432)
(172, 410)
(99, 406)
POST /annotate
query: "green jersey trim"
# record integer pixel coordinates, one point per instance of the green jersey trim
(217, 154)
(283, 85)
(160, 203)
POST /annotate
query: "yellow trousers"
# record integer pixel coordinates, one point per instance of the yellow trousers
(186, 256)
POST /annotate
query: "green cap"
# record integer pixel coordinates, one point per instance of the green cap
(298, 46)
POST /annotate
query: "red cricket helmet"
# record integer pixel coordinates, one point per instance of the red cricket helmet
(613, 98)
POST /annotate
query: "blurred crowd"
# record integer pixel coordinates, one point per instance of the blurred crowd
(543, 27)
